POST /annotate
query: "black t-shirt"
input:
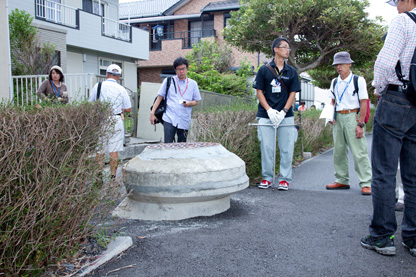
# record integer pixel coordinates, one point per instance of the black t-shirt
(277, 100)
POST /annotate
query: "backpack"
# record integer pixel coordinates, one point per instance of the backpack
(409, 86)
(355, 82)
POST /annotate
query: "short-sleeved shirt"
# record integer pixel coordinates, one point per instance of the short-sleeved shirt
(276, 100)
(113, 93)
(344, 92)
(176, 113)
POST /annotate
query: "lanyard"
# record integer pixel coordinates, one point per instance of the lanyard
(180, 92)
(340, 98)
(54, 89)
(281, 73)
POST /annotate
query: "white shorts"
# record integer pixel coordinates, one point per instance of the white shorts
(114, 143)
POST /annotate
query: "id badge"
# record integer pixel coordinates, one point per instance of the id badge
(276, 89)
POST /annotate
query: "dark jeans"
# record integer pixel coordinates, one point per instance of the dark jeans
(394, 138)
(170, 132)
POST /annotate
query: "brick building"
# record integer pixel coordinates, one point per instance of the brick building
(174, 26)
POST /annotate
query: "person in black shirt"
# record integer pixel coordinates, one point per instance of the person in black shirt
(276, 93)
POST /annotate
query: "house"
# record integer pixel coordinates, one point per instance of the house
(88, 36)
(173, 26)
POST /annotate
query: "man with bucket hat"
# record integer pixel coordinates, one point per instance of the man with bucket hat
(349, 126)
(394, 137)
(111, 92)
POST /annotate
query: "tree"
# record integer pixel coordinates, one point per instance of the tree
(316, 30)
(28, 54)
(210, 66)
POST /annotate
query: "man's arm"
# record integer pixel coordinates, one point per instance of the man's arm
(290, 100)
(262, 99)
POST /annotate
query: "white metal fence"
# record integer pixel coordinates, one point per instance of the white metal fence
(79, 85)
(26, 86)
(116, 29)
(56, 12)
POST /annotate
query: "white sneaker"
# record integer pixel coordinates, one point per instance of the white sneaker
(283, 185)
(265, 184)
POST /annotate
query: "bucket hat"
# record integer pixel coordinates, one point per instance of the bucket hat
(342, 58)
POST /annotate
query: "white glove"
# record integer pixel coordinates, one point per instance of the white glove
(274, 116)
(280, 116)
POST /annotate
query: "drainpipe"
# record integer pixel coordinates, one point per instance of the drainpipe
(8, 50)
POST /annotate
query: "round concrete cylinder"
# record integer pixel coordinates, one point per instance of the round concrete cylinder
(181, 180)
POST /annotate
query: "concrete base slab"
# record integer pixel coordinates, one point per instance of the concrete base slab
(132, 209)
(114, 248)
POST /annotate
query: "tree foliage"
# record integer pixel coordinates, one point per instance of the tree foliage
(28, 54)
(316, 30)
(210, 66)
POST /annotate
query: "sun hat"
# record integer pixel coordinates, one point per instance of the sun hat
(57, 68)
(342, 58)
(114, 69)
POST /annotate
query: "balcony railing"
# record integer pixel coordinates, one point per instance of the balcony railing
(56, 13)
(189, 38)
(116, 29)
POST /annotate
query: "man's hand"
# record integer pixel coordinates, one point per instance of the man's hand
(281, 115)
(153, 119)
(359, 132)
(274, 116)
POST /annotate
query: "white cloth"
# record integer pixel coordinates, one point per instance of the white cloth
(348, 101)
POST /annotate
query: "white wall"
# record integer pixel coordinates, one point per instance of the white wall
(145, 130)
(5, 71)
(130, 76)
(75, 63)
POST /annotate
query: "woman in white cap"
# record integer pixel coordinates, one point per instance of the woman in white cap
(53, 87)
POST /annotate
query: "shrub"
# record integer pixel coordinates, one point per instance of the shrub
(48, 190)
(229, 126)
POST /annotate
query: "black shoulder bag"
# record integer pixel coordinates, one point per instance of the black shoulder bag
(161, 109)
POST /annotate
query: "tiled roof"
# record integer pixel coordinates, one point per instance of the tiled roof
(145, 8)
(220, 6)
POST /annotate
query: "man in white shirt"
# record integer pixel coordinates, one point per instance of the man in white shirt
(113, 93)
(349, 126)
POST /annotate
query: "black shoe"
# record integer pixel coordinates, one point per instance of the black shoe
(411, 245)
(384, 246)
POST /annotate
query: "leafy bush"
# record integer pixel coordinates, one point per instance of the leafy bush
(210, 66)
(48, 187)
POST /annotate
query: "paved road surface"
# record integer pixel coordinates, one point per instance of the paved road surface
(306, 231)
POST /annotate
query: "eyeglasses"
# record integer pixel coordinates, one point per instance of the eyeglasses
(287, 48)
(182, 69)
(393, 2)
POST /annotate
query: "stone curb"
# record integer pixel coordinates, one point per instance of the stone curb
(114, 248)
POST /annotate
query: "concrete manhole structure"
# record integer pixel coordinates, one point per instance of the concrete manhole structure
(181, 180)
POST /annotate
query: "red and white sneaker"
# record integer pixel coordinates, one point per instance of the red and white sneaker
(283, 185)
(265, 184)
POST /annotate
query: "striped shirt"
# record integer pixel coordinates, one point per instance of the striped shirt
(399, 45)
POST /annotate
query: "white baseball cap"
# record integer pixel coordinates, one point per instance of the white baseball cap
(114, 69)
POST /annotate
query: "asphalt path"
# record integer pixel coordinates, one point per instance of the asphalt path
(306, 231)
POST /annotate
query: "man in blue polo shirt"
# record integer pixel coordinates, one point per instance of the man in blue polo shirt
(276, 93)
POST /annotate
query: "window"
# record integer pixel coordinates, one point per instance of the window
(104, 63)
(53, 10)
(92, 6)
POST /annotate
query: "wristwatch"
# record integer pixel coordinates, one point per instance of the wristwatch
(285, 110)
(361, 124)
